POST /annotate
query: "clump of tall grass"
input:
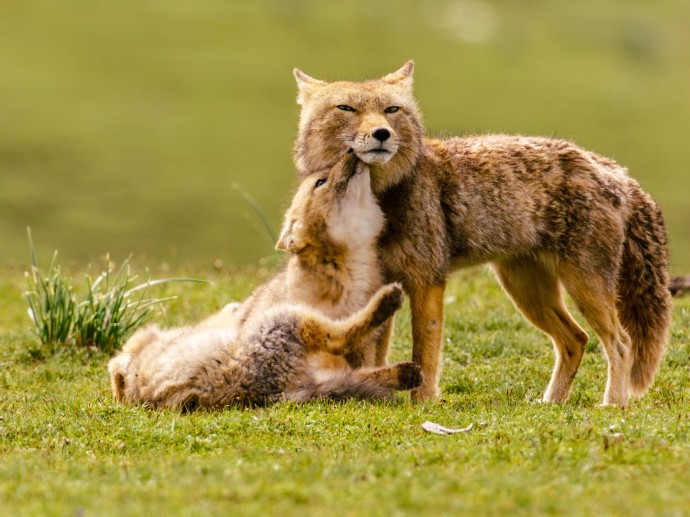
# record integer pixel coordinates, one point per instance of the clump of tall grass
(100, 314)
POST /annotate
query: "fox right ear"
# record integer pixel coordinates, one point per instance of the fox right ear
(305, 83)
(403, 75)
(304, 79)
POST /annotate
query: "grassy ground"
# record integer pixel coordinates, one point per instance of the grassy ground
(68, 449)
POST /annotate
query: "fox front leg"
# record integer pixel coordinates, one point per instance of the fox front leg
(427, 327)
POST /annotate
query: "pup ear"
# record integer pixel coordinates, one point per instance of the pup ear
(118, 369)
(402, 75)
(305, 84)
(284, 240)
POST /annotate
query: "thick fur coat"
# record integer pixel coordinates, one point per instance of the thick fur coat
(545, 213)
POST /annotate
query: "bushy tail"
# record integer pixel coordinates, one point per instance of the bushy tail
(644, 299)
(364, 383)
(680, 285)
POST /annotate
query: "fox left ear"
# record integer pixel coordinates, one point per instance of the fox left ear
(305, 84)
(403, 75)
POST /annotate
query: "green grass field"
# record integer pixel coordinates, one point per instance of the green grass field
(123, 125)
(68, 449)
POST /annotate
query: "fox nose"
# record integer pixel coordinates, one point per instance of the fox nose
(381, 134)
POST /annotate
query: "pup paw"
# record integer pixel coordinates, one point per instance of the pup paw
(391, 301)
(409, 376)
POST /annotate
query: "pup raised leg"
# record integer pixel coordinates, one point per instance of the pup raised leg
(347, 337)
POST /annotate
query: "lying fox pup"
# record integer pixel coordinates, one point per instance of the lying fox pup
(273, 346)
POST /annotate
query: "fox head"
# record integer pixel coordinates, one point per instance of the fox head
(378, 119)
(333, 209)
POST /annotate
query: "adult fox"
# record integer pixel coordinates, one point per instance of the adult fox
(543, 212)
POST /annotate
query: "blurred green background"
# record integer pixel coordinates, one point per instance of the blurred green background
(123, 125)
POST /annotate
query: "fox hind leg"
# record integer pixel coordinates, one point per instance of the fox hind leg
(536, 292)
(362, 384)
(596, 299)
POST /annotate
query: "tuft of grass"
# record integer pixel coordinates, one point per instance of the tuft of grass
(110, 308)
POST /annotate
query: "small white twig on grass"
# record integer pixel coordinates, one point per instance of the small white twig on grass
(432, 427)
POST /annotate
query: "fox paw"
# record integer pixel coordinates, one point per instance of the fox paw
(409, 376)
(391, 301)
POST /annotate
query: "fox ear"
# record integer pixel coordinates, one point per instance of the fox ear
(284, 240)
(403, 75)
(304, 79)
(305, 84)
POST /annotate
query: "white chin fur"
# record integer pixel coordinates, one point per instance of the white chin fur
(357, 219)
(374, 158)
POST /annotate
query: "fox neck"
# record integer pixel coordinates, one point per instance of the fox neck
(383, 176)
(389, 174)
(337, 281)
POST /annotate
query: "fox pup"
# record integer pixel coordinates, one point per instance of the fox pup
(273, 347)
(543, 212)
(208, 367)
(331, 231)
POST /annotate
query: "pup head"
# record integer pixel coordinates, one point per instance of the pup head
(333, 207)
(378, 119)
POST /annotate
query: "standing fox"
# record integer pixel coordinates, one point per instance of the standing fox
(544, 213)
(326, 304)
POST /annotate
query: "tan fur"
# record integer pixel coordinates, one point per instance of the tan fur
(545, 213)
(199, 367)
(332, 235)
(279, 344)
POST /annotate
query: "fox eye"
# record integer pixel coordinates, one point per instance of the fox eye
(319, 182)
(391, 109)
(345, 107)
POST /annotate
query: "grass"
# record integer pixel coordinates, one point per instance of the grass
(68, 449)
(128, 125)
(100, 313)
